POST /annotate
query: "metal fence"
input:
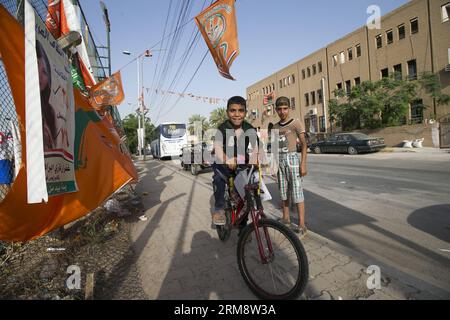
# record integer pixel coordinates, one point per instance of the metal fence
(8, 115)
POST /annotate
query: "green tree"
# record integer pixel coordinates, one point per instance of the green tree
(195, 119)
(382, 103)
(217, 117)
(130, 126)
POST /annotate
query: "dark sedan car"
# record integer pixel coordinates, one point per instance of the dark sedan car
(351, 143)
(193, 157)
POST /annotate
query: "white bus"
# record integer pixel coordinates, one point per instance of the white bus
(171, 137)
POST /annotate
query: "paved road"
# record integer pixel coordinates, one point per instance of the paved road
(392, 208)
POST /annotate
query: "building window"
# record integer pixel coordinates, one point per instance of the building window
(417, 111)
(379, 41)
(412, 69)
(293, 79)
(348, 87)
(308, 72)
(350, 54)
(398, 72)
(401, 32)
(446, 12)
(342, 57)
(390, 36)
(319, 96)
(319, 64)
(293, 103)
(281, 84)
(313, 127)
(335, 60)
(307, 99)
(357, 81)
(285, 82)
(358, 50)
(314, 69)
(339, 86)
(273, 86)
(385, 73)
(313, 98)
(303, 74)
(289, 80)
(322, 124)
(414, 25)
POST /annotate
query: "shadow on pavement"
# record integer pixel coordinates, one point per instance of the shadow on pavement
(329, 218)
(434, 220)
(121, 270)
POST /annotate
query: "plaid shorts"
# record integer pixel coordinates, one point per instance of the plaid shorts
(289, 179)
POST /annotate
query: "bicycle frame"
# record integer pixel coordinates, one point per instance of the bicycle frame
(253, 201)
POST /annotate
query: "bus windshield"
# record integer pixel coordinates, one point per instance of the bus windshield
(173, 131)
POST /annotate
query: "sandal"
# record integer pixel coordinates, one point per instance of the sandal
(287, 223)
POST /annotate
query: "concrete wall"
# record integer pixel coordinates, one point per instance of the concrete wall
(394, 136)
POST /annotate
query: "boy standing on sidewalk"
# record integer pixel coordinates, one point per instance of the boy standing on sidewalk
(291, 167)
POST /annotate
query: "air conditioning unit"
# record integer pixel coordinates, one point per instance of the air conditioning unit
(313, 112)
(447, 68)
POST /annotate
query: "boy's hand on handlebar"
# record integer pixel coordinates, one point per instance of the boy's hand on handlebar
(232, 163)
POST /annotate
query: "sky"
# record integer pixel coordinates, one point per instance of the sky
(272, 35)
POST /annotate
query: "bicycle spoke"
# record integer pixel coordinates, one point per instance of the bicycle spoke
(280, 275)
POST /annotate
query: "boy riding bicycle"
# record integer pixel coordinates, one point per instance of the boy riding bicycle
(231, 146)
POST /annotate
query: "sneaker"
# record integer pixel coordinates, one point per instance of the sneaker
(219, 218)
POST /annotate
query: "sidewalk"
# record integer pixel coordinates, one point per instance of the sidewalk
(179, 255)
(424, 150)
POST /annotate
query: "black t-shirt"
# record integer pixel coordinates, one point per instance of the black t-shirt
(233, 146)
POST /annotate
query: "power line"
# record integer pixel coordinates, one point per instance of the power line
(185, 88)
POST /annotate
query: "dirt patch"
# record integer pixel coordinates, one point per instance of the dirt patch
(47, 268)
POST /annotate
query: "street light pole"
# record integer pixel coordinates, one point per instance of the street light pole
(141, 109)
(141, 106)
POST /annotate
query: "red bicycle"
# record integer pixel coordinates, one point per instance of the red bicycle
(270, 256)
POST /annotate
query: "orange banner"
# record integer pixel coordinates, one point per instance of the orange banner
(102, 164)
(53, 20)
(58, 24)
(109, 92)
(217, 24)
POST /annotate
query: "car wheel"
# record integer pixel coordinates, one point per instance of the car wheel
(352, 150)
(194, 169)
(317, 150)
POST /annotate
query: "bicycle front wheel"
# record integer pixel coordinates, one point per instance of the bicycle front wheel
(285, 274)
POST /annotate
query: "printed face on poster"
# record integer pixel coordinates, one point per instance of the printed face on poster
(57, 106)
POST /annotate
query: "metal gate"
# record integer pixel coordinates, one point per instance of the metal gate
(444, 132)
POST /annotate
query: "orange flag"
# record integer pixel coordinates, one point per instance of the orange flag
(102, 163)
(53, 20)
(217, 23)
(61, 19)
(109, 92)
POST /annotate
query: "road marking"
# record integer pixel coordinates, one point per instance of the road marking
(445, 250)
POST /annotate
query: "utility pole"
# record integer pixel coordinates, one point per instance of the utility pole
(142, 111)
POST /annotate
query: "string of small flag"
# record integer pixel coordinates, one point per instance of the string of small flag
(203, 99)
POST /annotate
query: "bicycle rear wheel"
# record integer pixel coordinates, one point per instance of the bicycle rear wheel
(286, 274)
